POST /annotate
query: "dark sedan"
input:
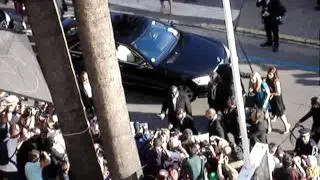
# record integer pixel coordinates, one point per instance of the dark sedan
(156, 55)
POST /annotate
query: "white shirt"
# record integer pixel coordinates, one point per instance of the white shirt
(11, 146)
(87, 89)
(59, 146)
(174, 100)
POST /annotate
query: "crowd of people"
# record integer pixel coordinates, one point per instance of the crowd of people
(181, 152)
(32, 145)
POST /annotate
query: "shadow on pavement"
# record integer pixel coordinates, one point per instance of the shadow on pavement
(308, 79)
(136, 95)
(307, 82)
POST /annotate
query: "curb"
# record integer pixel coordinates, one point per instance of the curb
(260, 33)
(241, 30)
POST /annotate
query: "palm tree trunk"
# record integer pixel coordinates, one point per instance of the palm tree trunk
(97, 42)
(55, 62)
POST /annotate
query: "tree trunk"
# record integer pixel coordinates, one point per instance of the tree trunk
(57, 68)
(97, 42)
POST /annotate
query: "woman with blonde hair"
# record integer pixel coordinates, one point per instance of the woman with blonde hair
(276, 100)
(261, 96)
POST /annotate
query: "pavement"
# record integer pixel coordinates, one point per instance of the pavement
(300, 23)
(20, 72)
(298, 64)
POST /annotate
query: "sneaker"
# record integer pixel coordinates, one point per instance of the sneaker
(266, 44)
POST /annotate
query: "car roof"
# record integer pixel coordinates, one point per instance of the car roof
(127, 27)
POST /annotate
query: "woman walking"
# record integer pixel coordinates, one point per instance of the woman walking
(276, 100)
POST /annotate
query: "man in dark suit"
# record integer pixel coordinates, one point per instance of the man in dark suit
(185, 121)
(215, 127)
(314, 112)
(176, 99)
(271, 11)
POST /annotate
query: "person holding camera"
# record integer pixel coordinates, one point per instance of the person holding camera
(224, 170)
(272, 12)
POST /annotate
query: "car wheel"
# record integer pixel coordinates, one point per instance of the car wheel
(188, 92)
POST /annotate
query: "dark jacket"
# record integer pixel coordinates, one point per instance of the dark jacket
(216, 128)
(274, 7)
(231, 124)
(182, 102)
(257, 133)
(187, 123)
(315, 113)
(305, 149)
(230, 119)
(155, 161)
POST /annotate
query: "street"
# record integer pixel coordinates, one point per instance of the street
(59, 78)
(299, 73)
(298, 65)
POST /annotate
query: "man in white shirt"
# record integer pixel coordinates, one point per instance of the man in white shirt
(86, 92)
(10, 170)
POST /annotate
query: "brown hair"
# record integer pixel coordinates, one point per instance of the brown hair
(273, 70)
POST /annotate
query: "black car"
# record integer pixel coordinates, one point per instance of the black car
(156, 55)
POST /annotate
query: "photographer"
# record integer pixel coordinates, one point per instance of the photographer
(224, 170)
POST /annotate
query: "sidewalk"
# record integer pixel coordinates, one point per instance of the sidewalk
(178, 8)
(301, 24)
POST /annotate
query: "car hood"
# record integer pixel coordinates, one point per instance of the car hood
(195, 55)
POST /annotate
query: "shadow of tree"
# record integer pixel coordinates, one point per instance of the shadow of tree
(136, 95)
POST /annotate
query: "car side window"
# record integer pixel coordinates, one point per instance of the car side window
(124, 54)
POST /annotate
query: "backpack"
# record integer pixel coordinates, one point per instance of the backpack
(4, 158)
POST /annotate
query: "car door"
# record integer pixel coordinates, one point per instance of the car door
(137, 71)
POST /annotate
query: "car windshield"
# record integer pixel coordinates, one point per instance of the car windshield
(156, 41)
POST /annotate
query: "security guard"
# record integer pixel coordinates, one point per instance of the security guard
(304, 144)
(271, 11)
(314, 112)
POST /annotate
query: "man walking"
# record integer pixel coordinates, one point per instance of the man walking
(176, 99)
(215, 127)
(271, 11)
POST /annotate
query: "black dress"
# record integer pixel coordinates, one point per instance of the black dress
(277, 106)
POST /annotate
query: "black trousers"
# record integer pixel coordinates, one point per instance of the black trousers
(272, 32)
